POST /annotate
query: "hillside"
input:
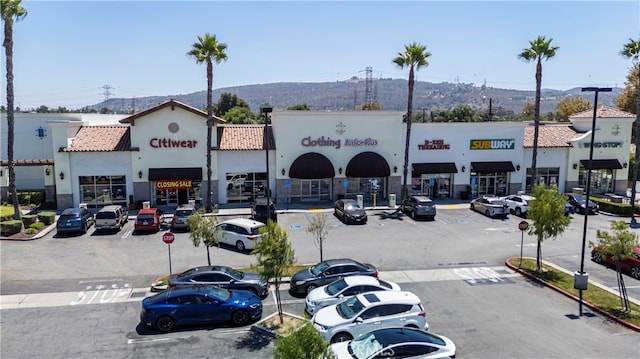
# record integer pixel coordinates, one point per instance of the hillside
(345, 95)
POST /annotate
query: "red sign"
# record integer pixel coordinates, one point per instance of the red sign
(174, 184)
(523, 226)
(168, 237)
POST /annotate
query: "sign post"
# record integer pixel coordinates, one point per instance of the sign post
(522, 226)
(168, 238)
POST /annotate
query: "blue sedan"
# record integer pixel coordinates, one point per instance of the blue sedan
(184, 305)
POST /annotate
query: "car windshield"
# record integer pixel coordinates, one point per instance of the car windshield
(349, 308)
(188, 273)
(237, 275)
(385, 284)
(318, 268)
(579, 198)
(105, 215)
(498, 202)
(352, 206)
(335, 287)
(364, 346)
(183, 213)
(218, 293)
(145, 217)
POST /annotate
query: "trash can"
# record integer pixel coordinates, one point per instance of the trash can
(580, 280)
(392, 200)
(146, 204)
(82, 205)
(360, 200)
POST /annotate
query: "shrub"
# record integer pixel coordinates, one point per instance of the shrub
(37, 226)
(29, 219)
(10, 227)
(47, 218)
(31, 231)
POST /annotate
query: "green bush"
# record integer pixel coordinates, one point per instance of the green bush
(622, 209)
(47, 218)
(37, 226)
(29, 219)
(29, 197)
(6, 213)
(31, 231)
(8, 228)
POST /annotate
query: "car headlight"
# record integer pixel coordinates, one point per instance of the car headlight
(255, 305)
(300, 282)
(320, 327)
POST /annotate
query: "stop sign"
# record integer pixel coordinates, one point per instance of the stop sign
(523, 226)
(168, 237)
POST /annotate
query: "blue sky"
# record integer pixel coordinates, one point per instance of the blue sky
(66, 51)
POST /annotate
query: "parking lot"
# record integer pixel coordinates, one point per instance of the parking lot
(89, 287)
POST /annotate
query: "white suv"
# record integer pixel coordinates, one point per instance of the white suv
(241, 233)
(368, 311)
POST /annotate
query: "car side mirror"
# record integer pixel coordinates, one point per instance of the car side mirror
(358, 320)
(341, 296)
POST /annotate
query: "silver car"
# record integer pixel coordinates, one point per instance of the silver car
(181, 217)
(490, 206)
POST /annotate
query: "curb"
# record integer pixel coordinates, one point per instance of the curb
(567, 294)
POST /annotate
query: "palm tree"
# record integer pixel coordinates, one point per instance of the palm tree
(540, 49)
(632, 50)
(208, 49)
(11, 11)
(414, 56)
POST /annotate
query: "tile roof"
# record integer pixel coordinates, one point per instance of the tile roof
(100, 139)
(604, 112)
(173, 104)
(243, 138)
(549, 136)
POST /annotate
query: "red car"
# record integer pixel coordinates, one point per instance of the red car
(630, 265)
(148, 220)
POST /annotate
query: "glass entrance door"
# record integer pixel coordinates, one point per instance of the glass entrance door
(310, 190)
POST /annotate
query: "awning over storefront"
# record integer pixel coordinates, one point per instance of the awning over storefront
(368, 164)
(194, 173)
(433, 167)
(311, 165)
(602, 164)
(499, 166)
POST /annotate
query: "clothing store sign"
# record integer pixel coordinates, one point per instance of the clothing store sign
(499, 144)
(173, 184)
(434, 145)
(329, 142)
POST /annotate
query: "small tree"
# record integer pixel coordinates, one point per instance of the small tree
(274, 255)
(318, 227)
(306, 342)
(619, 245)
(547, 214)
(202, 229)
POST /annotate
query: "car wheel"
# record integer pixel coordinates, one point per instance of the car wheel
(84, 228)
(473, 208)
(597, 257)
(240, 317)
(487, 213)
(635, 272)
(165, 324)
(240, 246)
(413, 214)
(311, 287)
(518, 212)
(341, 337)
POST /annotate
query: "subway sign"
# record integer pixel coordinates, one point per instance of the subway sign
(501, 144)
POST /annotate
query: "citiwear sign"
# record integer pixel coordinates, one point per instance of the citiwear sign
(501, 144)
(173, 184)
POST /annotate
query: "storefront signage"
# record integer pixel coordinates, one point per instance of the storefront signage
(612, 144)
(328, 142)
(169, 143)
(173, 184)
(434, 145)
(501, 144)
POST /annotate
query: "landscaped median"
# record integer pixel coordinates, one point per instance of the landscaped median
(596, 298)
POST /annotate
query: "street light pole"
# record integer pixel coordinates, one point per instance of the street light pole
(582, 274)
(266, 110)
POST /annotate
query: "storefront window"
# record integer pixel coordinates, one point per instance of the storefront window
(546, 175)
(367, 187)
(489, 184)
(602, 180)
(245, 187)
(310, 189)
(432, 185)
(175, 192)
(99, 191)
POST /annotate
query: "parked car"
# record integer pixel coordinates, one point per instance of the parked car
(396, 342)
(224, 277)
(185, 305)
(419, 206)
(569, 209)
(629, 265)
(518, 204)
(490, 206)
(148, 220)
(348, 211)
(259, 210)
(73, 220)
(111, 218)
(241, 233)
(368, 311)
(346, 287)
(325, 272)
(579, 202)
(180, 219)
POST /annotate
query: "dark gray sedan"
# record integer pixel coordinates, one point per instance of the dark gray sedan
(349, 211)
(222, 276)
(326, 272)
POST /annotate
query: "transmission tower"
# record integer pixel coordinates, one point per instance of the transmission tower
(107, 93)
(368, 84)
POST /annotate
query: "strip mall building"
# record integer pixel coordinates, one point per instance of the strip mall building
(159, 155)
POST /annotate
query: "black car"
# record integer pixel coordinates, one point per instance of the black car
(349, 211)
(419, 206)
(579, 201)
(222, 276)
(75, 220)
(326, 272)
(259, 210)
